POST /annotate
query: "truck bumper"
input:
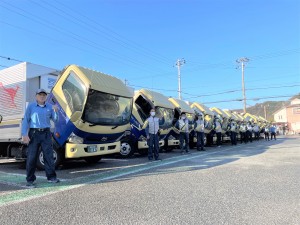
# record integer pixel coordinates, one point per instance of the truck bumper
(83, 150)
(143, 144)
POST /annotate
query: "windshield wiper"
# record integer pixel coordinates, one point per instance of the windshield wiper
(114, 127)
(92, 124)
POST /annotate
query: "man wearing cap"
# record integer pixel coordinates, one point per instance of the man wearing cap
(36, 133)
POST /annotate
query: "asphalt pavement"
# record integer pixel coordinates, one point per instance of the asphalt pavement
(254, 183)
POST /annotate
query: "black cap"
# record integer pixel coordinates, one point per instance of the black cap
(41, 90)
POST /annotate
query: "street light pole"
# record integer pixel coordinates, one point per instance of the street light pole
(179, 63)
(243, 61)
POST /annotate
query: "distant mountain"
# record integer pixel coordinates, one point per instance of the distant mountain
(270, 106)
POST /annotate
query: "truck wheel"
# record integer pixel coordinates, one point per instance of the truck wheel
(93, 159)
(127, 149)
(56, 155)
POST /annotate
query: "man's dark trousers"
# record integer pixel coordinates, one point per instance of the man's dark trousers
(153, 146)
(37, 139)
(184, 136)
(200, 140)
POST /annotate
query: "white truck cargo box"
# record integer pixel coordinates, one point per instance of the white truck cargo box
(17, 88)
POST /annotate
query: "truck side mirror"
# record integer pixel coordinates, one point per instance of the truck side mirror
(1, 118)
(76, 116)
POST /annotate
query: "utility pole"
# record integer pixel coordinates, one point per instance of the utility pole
(243, 61)
(125, 81)
(179, 63)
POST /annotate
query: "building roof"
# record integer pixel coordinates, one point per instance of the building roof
(292, 106)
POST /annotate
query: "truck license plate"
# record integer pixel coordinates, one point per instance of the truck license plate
(92, 148)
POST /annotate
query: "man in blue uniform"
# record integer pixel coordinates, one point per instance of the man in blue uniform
(36, 133)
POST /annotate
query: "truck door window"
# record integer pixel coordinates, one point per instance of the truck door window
(166, 116)
(74, 91)
(144, 107)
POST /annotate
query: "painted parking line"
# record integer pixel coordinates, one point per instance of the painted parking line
(45, 189)
(16, 179)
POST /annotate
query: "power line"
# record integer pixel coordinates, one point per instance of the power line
(12, 59)
(255, 99)
(73, 35)
(89, 26)
(115, 35)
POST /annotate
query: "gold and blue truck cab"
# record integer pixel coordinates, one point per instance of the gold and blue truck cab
(224, 122)
(236, 119)
(240, 121)
(144, 100)
(255, 120)
(94, 113)
(208, 116)
(181, 106)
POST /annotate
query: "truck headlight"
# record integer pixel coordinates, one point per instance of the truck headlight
(73, 138)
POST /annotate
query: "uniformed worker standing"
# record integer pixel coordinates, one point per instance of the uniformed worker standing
(249, 131)
(36, 133)
(183, 126)
(267, 132)
(199, 128)
(151, 127)
(273, 132)
(256, 131)
(233, 127)
(243, 129)
(218, 129)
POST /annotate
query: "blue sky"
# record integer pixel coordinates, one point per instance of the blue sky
(140, 41)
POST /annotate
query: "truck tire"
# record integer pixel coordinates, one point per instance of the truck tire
(57, 155)
(93, 159)
(127, 149)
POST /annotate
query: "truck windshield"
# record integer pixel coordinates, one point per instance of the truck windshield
(166, 115)
(107, 109)
(209, 121)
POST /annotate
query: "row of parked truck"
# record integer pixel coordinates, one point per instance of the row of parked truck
(98, 114)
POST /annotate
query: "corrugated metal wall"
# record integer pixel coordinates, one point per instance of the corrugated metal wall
(12, 91)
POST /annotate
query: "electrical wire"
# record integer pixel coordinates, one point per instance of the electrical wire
(115, 35)
(86, 25)
(255, 99)
(73, 36)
